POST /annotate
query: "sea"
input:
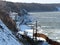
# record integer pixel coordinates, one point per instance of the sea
(49, 22)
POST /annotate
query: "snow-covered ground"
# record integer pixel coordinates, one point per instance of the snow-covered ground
(29, 31)
(6, 37)
(58, 8)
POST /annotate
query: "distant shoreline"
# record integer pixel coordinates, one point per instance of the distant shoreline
(42, 11)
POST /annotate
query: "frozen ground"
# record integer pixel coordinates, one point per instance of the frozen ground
(6, 37)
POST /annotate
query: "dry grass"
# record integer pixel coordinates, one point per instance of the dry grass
(4, 16)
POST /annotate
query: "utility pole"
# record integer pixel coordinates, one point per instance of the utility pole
(33, 32)
(36, 32)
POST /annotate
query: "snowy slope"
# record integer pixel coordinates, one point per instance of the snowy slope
(58, 8)
(6, 37)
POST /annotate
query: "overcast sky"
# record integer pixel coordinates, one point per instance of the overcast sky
(36, 1)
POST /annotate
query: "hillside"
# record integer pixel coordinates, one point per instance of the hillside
(4, 16)
(6, 36)
(9, 26)
(30, 7)
(34, 7)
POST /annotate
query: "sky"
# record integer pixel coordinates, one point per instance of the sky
(36, 1)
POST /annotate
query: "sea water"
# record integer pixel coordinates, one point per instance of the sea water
(49, 22)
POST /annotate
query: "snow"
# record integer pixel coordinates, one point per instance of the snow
(30, 31)
(24, 27)
(58, 8)
(6, 36)
(20, 32)
(40, 38)
(13, 15)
